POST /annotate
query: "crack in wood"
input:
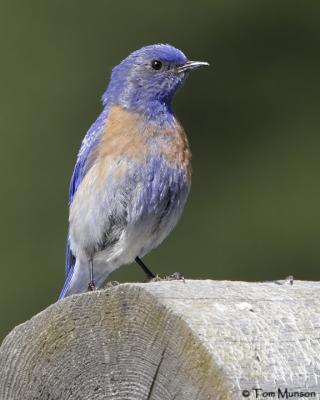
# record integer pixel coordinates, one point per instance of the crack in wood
(156, 375)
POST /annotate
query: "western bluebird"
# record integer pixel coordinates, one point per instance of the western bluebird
(132, 175)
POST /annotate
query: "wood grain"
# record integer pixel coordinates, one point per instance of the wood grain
(168, 340)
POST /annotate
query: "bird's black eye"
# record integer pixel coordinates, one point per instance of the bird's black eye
(156, 64)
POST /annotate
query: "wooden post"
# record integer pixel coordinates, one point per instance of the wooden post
(175, 340)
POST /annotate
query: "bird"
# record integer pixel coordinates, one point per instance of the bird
(132, 175)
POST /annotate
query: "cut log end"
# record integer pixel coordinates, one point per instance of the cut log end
(167, 340)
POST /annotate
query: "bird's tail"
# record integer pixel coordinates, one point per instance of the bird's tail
(77, 279)
(66, 286)
(78, 274)
(69, 269)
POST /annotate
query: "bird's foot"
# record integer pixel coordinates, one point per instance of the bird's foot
(156, 278)
(176, 276)
(91, 287)
(289, 279)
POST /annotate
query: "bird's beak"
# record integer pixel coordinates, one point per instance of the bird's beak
(189, 65)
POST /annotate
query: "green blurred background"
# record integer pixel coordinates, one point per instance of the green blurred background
(252, 120)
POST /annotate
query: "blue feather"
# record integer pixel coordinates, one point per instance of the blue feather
(69, 274)
(89, 143)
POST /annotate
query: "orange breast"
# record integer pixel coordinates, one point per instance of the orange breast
(127, 134)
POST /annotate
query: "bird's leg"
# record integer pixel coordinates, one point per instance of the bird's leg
(91, 285)
(146, 270)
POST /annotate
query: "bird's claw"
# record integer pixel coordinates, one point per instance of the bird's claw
(176, 276)
(289, 279)
(91, 287)
(157, 278)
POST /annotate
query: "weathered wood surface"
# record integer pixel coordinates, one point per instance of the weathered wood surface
(168, 340)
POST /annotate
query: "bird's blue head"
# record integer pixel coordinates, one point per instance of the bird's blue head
(147, 79)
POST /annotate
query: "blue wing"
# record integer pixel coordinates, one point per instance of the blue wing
(88, 144)
(82, 166)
